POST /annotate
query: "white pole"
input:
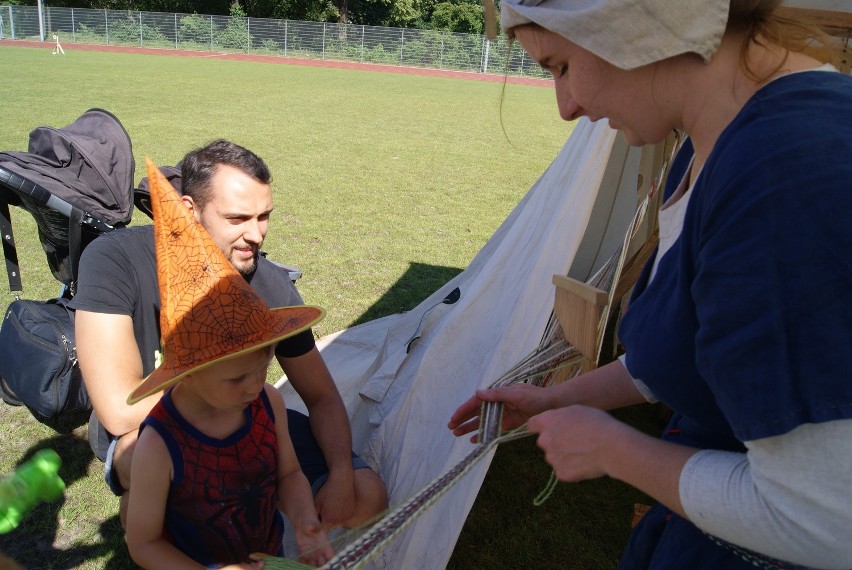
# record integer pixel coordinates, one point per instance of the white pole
(40, 21)
(487, 51)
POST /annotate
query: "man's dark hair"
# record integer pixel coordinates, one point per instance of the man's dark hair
(199, 165)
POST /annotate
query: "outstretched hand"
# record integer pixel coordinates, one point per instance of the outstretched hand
(520, 402)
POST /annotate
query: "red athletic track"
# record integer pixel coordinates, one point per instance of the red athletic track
(287, 61)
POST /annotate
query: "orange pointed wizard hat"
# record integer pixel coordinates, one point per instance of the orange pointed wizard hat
(208, 311)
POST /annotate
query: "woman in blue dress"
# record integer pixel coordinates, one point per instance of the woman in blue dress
(741, 323)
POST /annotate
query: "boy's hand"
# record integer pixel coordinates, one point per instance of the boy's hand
(313, 544)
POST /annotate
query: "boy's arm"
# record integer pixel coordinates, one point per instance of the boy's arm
(294, 491)
(151, 471)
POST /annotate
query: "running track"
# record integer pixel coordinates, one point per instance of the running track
(288, 61)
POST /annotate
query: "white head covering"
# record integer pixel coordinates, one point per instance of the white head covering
(627, 33)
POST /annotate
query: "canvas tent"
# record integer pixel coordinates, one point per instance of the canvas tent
(399, 401)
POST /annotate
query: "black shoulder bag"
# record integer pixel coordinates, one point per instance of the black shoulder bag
(38, 361)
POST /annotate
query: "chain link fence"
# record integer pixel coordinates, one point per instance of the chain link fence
(314, 40)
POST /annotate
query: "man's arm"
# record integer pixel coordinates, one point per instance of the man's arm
(330, 426)
(111, 367)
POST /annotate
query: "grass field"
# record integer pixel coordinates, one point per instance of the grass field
(376, 176)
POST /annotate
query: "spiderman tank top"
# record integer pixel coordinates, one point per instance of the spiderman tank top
(222, 502)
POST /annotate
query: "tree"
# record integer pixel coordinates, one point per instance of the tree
(464, 17)
(393, 13)
(307, 10)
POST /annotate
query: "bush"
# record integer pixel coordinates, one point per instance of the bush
(127, 31)
(235, 35)
(194, 28)
(270, 45)
(86, 35)
(462, 52)
(424, 51)
(377, 54)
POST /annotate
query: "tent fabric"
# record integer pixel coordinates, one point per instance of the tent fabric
(399, 402)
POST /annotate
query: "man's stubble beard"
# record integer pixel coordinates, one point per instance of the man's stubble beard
(249, 271)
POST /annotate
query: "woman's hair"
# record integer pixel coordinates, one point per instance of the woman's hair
(767, 26)
(198, 167)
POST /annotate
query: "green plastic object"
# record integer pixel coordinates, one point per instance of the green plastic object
(35, 481)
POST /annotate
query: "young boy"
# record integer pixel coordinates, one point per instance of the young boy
(214, 462)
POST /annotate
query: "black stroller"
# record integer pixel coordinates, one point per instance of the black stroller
(77, 183)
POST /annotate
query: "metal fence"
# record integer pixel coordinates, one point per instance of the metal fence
(316, 40)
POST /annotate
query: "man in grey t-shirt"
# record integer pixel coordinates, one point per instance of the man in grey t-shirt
(118, 339)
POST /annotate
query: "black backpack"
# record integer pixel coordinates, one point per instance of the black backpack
(77, 182)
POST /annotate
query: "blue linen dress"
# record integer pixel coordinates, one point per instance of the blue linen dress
(745, 331)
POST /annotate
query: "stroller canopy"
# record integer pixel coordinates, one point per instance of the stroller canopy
(88, 163)
(76, 181)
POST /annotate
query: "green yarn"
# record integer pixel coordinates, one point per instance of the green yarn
(276, 563)
(547, 491)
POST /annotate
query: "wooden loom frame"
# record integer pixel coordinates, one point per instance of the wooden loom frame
(581, 308)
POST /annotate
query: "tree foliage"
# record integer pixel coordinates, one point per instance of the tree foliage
(451, 15)
(464, 17)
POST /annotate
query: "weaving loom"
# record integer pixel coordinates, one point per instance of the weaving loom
(571, 224)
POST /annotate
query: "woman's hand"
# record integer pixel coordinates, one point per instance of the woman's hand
(578, 441)
(520, 402)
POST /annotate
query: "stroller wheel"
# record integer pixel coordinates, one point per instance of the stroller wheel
(7, 394)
